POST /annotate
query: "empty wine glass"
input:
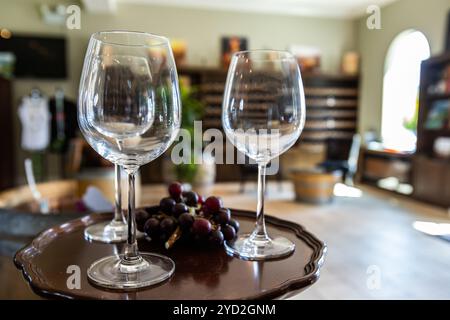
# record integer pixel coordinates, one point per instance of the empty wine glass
(129, 112)
(116, 230)
(263, 115)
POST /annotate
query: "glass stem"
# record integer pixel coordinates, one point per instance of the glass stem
(260, 233)
(118, 214)
(131, 249)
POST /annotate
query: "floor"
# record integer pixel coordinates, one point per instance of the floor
(373, 251)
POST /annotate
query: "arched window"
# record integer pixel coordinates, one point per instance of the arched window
(401, 90)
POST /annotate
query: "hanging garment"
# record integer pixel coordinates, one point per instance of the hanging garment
(68, 130)
(35, 118)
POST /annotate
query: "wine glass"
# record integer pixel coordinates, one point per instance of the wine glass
(129, 112)
(116, 230)
(263, 115)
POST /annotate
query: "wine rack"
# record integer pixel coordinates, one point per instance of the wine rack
(331, 108)
(331, 103)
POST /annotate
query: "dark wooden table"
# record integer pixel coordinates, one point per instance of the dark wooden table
(199, 274)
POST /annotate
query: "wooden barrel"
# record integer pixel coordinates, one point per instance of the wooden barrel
(20, 219)
(314, 185)
(20, 215)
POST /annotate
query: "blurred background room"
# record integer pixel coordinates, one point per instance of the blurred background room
(369, 175)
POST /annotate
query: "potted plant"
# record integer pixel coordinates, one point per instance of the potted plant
(197, 175)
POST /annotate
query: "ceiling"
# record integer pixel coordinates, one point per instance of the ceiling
(317, 8)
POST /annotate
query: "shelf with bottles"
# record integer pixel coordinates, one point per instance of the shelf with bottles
(438, 96)
(434, 110)
(331, 102)
(438, 86)
(430, 169)
(437, 116)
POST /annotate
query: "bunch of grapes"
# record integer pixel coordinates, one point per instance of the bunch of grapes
(186, 216)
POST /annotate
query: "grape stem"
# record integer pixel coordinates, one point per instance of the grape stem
(173, 238)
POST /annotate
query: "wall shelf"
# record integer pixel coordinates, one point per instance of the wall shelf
(431, 174)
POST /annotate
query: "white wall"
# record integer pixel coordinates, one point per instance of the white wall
(201, 29)
(428, 16)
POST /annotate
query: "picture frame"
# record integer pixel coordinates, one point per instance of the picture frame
(230, 45)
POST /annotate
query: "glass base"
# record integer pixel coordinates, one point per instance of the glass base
(107, 232)
(250, 247)
(114, 273)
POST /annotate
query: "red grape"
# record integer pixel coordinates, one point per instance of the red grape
(167, 226)
(216, 238)
(166, 205)
(206, 211)
(201, 227)
(191, 198)
(234, 224)
(179, 208)
(223, 216)
(228, 232)
(141, 218)
(213, 204)
(185, 221)
(151, 227)
(175, 190)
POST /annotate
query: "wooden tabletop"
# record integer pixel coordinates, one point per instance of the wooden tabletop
(200, 273)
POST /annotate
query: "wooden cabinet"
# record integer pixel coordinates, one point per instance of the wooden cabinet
(431, 178)
(431, 175)
(433, 73)
(7, 159)
(377, 165)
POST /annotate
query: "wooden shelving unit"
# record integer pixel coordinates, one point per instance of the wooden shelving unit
(331, 103)
(331, 113)
(431, 175)
(210, 83)
(331, 110)
(7, 160)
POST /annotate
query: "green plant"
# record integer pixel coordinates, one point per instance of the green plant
(411, 124)
(192, 110)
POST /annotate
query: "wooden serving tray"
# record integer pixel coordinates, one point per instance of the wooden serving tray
(199, 273)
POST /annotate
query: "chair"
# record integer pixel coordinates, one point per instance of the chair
(342, 155)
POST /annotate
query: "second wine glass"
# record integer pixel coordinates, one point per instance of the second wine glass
(129, 112)
(113, 231)
(263, 115)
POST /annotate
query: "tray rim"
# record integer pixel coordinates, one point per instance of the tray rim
(22, 258)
